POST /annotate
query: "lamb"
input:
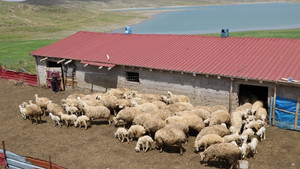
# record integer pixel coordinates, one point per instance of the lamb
(256, 105)
(31, 110)
(82, 119)
(126, 115)
(170, 136)
(54, 108)
(70, 109)
(23, 112)
(122, 134)
(246, 134)
(253, 145)
(261, 113)
(67, 118)
(144, 142)
(42, 102)
(261, 133)
(208, 140)
(136, 131)
(222, 151)
(55, 119)
(219, 117)
(255, 125)
(220, 130)
(97, 112)
(230, 138)
(245, 150)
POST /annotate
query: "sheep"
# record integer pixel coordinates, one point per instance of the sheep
(109, 101)
(118, 93)
(147, 107)
(23, 112)
(136, 131)
(122, 134)
(261, 133)
(151, 97)
(208, 108)
(97, 112)
(75, 96)
(236, 121)
(230, 138)
(150, 122)
(54, 108)
(256, 105)
(222, 151)
(170, 136)
(42, 102)
(55, 119)
(180, 106)
(70, 102)
(194, 121)
(171, 99)
(220, 130)
(255, 125)
(70, 109)
(245, 106)
(253, 145)
(122, 103)
(144, 142)
(82, 119)
(245, 150)
(159, 104)
(67, 118)
(88, 102)
(261, 113)
(219, 117)
(126, 115)
(246, 134)
(31, 110)
(208, 140)
(203, 113)
(218, 107)
(178, 122)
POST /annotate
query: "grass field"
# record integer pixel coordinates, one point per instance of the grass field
(25, 27)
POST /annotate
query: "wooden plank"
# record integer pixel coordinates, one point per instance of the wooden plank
(230, 96)
(58, 62)
(296, 115)
(274, 102)
(284, 111)
(44, 59)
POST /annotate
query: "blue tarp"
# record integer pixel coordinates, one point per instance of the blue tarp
(283, 119)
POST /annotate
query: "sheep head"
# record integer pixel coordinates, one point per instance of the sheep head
(202, 156)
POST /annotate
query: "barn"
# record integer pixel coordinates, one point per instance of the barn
(210, 70)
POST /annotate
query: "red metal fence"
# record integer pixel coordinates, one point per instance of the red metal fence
(17, 76)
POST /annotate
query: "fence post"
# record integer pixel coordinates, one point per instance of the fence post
(50, 164)
(230, 94)
(4, 151)
(274, 103)
(296, 115)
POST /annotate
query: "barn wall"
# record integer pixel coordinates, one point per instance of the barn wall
(290, 92)
(41, 71)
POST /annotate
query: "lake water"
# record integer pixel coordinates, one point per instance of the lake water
(211, 19)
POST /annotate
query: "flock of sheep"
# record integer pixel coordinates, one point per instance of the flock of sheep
(156, 121)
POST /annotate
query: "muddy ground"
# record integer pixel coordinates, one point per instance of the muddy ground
(96, 147)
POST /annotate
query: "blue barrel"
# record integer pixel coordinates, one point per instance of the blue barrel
(224, 33)
(127, 30)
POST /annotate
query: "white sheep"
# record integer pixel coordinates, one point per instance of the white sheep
(126, 115)
(171, 98)
(261, 133)
(122, 134)
(23, 111)
(70, 109)
(255, 125)
(256, 105)
(82, 119)
(97, 112)
(236, 121)
(109, 101)
(218, 117)
(31, 111)
(144, 142)
(222, 151)
(136, 131)
(232, 137)
(42, 102)
(149, 121)
(245, 149)
(54, 108)
(220, 130)
(67, 118)
(261, 114)
(208, 140)
(170, 136)
(55, 119)
(253, 145)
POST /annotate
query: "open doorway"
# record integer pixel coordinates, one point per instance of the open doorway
(250, 93)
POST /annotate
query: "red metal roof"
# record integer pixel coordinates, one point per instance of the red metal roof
(268, 59)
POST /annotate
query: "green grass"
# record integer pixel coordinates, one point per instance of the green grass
(284, 33)
(14, 55)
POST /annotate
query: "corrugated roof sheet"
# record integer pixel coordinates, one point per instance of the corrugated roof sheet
(268, 59)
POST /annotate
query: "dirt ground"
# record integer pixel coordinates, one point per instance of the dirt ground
(96, 147)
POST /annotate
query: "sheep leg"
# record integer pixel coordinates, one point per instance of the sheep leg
(66, 121)
(85, 124)
(181, 149)
(147, 147)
